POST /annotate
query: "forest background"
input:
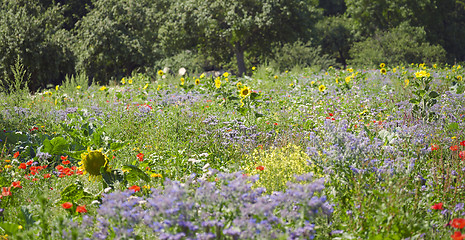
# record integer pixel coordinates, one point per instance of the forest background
(106, 40)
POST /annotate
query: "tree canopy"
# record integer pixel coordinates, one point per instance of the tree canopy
(107, 39)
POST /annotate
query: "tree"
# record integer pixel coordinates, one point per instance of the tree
(227, 27)
(33, 34)
(117, 37)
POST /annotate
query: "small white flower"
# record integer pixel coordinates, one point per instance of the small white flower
(182, 71)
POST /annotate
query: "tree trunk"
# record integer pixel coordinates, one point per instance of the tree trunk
(239, 51)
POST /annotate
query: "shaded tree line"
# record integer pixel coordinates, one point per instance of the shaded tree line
(108, 39)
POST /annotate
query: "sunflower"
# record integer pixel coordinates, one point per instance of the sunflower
(382, 65)
(459, 78)
(217, 82)
(92, 161)
(322, 88)
(197, 81)
(160, 72)
(383, 70)
(244, 92)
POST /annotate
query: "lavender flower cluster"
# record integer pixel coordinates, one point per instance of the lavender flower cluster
(227, 208)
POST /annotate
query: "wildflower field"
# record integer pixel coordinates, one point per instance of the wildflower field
(333, 154)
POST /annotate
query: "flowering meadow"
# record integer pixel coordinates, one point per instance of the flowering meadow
(333, 154)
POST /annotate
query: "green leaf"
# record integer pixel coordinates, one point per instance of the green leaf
(111, 177)
(56, 146)
(460, 89)
(75, 154)
(242, 110)
(9, 227)
(414, 101)
(28, 217)
(74, 192)
(420, 93)
(255, 96)
(134, 174)
(433, 94)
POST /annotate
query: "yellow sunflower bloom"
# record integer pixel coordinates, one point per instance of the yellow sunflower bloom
(322, 88)
(245, 91)
(92, 161)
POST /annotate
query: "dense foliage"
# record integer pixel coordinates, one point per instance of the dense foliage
(107, 39)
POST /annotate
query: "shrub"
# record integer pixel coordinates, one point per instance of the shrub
(299, 53)
(401, 45)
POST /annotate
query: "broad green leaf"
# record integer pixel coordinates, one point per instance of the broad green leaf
(74, 192)
(9, 227)
(111, 177)
(255, 96)
(28, 217)
(433, 94)
(134, 174)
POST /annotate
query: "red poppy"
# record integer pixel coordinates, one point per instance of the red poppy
(330, 114)
(140, 156)
(67, 205)
(47, 175)
(434, 147)
(457, 223)
(276, 124)
(462, 155)
(457, 236)
(437, 206)
(454, 148)
(6, 191)
(30, 162)
(16, 184)
(59, 167)
(135, 188)
(81, 209)
(63, 158)
(22, 166)
(260, 168)
(66, 162)
(16, 155)
(462, 143)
